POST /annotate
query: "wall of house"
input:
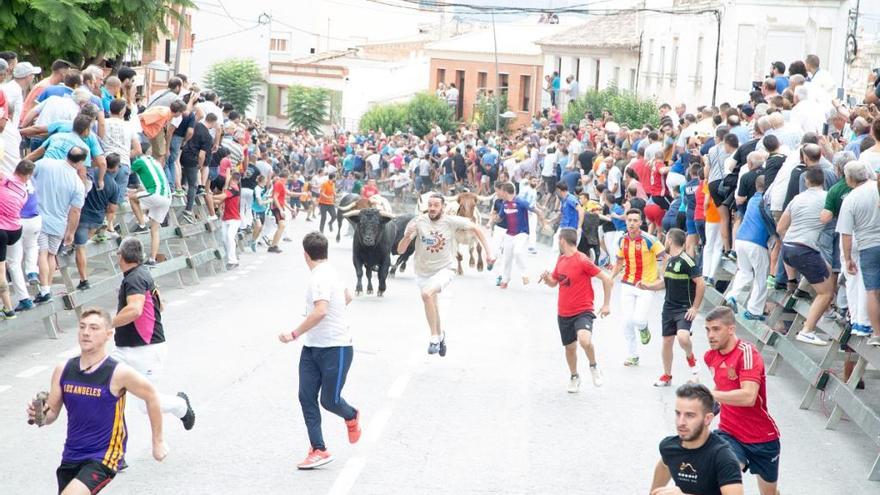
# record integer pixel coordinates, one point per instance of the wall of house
(525, 101)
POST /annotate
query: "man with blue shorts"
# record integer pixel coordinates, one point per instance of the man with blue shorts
(690, 200)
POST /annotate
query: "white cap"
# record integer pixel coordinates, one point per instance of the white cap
(24, 69)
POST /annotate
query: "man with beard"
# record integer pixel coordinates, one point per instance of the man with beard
(434, 255)
(696, 459)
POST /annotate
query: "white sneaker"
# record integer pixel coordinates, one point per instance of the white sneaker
(810, 338)
(597, 376)
(574, 384)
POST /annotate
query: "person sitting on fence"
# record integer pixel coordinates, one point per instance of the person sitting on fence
(152, 198)
(98, 202)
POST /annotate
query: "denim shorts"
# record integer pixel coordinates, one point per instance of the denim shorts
(81, 236)
(869, 263)
(807, 261)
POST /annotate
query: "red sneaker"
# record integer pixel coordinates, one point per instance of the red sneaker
(316, 458)
(354, 428)
(664, 381)
(692, 361)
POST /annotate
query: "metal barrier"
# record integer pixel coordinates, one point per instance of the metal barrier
(186, 247)
(816, 372)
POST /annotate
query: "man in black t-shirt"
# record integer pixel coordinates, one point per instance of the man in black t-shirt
(140, 336)
(182, 132)
(586, 158)
(684, 286)
(194, 157)
(697, 460)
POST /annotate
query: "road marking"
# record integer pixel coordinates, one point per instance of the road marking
(232, 278)
(398, 387)
(216, 285)
(200, 293)
(349, 474)
(177, 302)
(374, 430)
(4, 388)
(73, 351)
(31, 371)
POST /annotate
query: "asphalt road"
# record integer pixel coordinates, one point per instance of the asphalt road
(492, 417)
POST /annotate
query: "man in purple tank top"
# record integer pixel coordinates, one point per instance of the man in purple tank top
(93, 388)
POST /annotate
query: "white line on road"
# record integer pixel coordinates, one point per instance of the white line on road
(200, 293)
(231, 278)
(349, 474)
(374, 430)
(73, 351)
(31, 371)
(216, 285)
(398, 387)
(4, 388)
(177, 302)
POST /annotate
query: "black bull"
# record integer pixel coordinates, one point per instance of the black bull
(376, 237)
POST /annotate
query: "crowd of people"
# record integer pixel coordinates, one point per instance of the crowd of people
(783, 186)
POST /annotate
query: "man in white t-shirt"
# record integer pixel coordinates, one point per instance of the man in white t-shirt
(434, 233)
(326, 351)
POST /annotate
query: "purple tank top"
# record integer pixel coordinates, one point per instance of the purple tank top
(29, 210)
(96, 429)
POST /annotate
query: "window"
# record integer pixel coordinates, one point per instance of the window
(746, 47)
(278, 44)
(632, 79)
(823, 46)
(503, 83)
(698, 71)
(649, 64)
(441, 76)
(673, 67)
(617, 77)
(168, 51)
(482, 80)
(525, 88)
(662, 71)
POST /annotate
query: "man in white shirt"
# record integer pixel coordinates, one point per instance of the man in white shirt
(22, 77)
(326, 351)
(807, 113)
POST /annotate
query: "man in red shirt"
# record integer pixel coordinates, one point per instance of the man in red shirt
(231, 198)
(573, 273)
(370, 189)
(740, 387)
(279, 204)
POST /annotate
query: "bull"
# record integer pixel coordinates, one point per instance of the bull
(354, 202)
(376, 236)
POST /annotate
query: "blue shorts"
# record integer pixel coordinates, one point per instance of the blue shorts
(869, 263)
(81, 236)
(448, 179)
(691, 226)
(761, 459)
(807, 261)
(829, 246)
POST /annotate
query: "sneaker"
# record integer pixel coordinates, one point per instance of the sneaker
(433, 347)
(832, 316)
(24, 305)
(812, 338)
(664, 381)
(802, 294)
(188, 419)
(692, 363)
(771, 280)
(574, 384)
(150, 262)
(200, 190)
(502, 285)
(731, 255)
(179, 192)
(730, 302)
(874, 341)
(98, 238)
(211, 218)
(253, 246)
(139, 228)
(710, 282)
(596, 374)
(273, 249)
(631, 361)
(231, 266)
(7, 314)
(354, 428)
(42, 298)
(288, 239)
(316, 458)
(33, 278)
(498, 281)
(645, 335)
(442, 350)
(533, 250)
(188, 217)
(83, 285)
(750, 316)
(780, 285)
(857, 330)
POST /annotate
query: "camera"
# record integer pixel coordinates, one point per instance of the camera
(756, 85)
(876, 71)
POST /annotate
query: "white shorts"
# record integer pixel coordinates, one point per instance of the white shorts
(155, 205)
(438, 281)
(148, 360)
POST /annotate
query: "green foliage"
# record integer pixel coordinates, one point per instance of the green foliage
(486, 109)
(80, 31)
(390, 118)
(307, 107)
(627, 107)
(426, 110)
(235, 81)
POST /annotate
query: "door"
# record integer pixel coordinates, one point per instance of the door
(459, 81)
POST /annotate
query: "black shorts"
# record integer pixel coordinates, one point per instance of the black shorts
(261, 216)
(661, 201)
(217, 183)
(717, 197)
(807, 261)
(93, 474)
(674, 320)
(761, 459)
(570, 325)
(279, 217)
(7, 238)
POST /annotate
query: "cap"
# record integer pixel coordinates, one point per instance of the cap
(24, 69)
(4, 65)
(748, 110)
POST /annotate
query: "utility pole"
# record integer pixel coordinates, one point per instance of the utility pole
(497, 79)
(181, 27)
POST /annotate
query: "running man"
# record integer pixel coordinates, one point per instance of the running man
(434, 255)
(684, 294)
(93, 387)
(326, 351)
(637, 259)
(574, 274)
(512, 213)
(741, 388)
(696, 460)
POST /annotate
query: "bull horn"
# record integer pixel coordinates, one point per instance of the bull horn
(350, 214)
(451, 198)
(347, 207)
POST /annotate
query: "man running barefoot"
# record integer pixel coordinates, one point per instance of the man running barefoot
(326, 351)
(93, 387)
(434, 256)
(573, 274)
(684, 286)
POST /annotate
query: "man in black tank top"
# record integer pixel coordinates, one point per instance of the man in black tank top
(93, 387)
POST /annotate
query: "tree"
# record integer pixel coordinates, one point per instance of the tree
(426, 110)
(627, 107)
(487, 108)
(80, 31)
(390, 118)
(235, 81)
(307, 107)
